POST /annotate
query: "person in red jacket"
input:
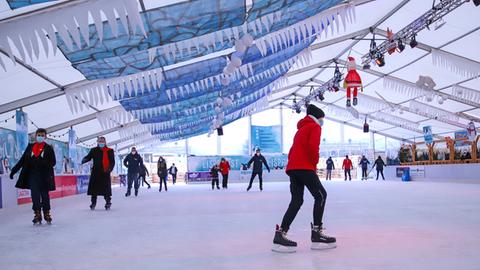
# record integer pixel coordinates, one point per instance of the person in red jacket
(302, 170)
(224, 169)
(347, 167)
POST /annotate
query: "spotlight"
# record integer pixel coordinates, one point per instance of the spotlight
(373, 47)
(413, 42)
(400, 46)
(320, 96)
(366, 66)
(298, 109)
(379, 59)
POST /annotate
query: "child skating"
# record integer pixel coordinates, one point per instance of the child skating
(302, 165)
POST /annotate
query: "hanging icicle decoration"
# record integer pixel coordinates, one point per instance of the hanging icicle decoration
(71, 22)
(466, 93)
(432, 112)
(457, 64)
(395, 121)
(114, 117)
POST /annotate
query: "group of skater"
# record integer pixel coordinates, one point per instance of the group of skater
(223, 168)
(347, 167)
(38, 161)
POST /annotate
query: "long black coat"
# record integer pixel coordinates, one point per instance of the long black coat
(100, 182)
(42, 165)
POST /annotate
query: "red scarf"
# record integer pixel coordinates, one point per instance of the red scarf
(38, 148)
(105, 159)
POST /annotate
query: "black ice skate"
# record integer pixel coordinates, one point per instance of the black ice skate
(281, 243)
(321, 241)
(355, 101)
(349, 103)
(108, 206)
(47, 217)
(92, 206)
(136, 192)
(127, 194)
(37, 218)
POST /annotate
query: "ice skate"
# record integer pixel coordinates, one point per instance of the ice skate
(355, 101)
(281, 243)
(92, 206)
(47, 217)
(349, 103)
(136, 192)
(249, 187)
(37, 218)
(321, 241)
(127, 194)
(108, 206)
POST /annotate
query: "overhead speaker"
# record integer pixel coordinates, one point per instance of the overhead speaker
(366, 127)
(220, 131)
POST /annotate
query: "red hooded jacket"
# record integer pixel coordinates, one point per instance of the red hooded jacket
(224, 167)
(304, 152)
(347, 164)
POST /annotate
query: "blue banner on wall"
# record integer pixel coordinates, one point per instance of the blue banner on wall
(22, 130)
(205, 163)
(459, 135)
(267, 138)
(1, 199)
(72, 149)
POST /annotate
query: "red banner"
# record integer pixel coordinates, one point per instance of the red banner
(66, 185)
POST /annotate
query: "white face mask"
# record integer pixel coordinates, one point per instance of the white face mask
(320, 122)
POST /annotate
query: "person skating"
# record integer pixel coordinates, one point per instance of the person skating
(379, 166)
(143, 175)
(302, 170)
(330, 167)
(173, 171)
(214, 173)
(37, 174)
(133, 162)
(364, 163)
(162, 172)
(258, 161)
(100, 182)
(347, 167)
(224, 170)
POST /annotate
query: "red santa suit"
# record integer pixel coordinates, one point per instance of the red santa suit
(352, 82)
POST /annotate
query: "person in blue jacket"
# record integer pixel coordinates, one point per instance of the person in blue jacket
(364, 163)
(330, 167)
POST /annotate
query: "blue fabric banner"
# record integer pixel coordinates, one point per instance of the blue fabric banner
(22, 130)
(268, 138)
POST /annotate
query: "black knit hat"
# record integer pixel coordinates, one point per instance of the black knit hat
(315, 111)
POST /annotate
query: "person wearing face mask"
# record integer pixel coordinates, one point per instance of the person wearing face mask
(302, 170)
(100, 182)
(37, 174)
(258, 160)
(133, 162)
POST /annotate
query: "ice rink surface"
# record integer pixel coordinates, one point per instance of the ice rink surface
(378, 225)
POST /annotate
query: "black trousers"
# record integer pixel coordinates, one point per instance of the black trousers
(108, 199)
(174, 178)
(215, 182)
(364, 173)
(260, 179)
(299, 179)
(144, 180)
(347, 171)
(329, 174)
(134, 180)
(380, 171)
(225, 181)
(39, 193)
(163, 180)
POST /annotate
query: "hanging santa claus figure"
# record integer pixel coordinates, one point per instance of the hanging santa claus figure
(352, 82)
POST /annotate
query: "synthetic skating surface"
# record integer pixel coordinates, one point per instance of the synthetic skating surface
(378, 225)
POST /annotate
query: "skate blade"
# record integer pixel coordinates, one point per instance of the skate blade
(283, 249)
(323, 246)
(37, 224)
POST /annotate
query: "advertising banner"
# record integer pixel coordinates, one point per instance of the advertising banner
(1, 205)
(267, 138)
(66, 185)
(427, 134)
(82, 183)
(198, 177)
(22, 129)
(72, 150)
(205, 163)
(459, 135)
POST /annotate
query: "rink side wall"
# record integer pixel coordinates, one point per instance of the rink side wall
(457, 173)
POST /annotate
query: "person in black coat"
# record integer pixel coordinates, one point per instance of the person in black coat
(133, 162)
(379, 164)
(100, 182)
(258, 160)
(162, 172)
(173, 171)
(143, 175)
(364, 163)
(214, 173)
(330, 167)
(37, 174)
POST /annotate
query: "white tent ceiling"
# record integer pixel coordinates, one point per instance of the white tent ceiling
(460, 36)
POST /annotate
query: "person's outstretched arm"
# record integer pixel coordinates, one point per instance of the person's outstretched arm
(265, 162)
(88, 157)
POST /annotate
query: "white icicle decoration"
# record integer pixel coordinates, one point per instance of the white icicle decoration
(457, 64)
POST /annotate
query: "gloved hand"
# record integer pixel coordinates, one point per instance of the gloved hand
(11, 176)
(269, 170)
